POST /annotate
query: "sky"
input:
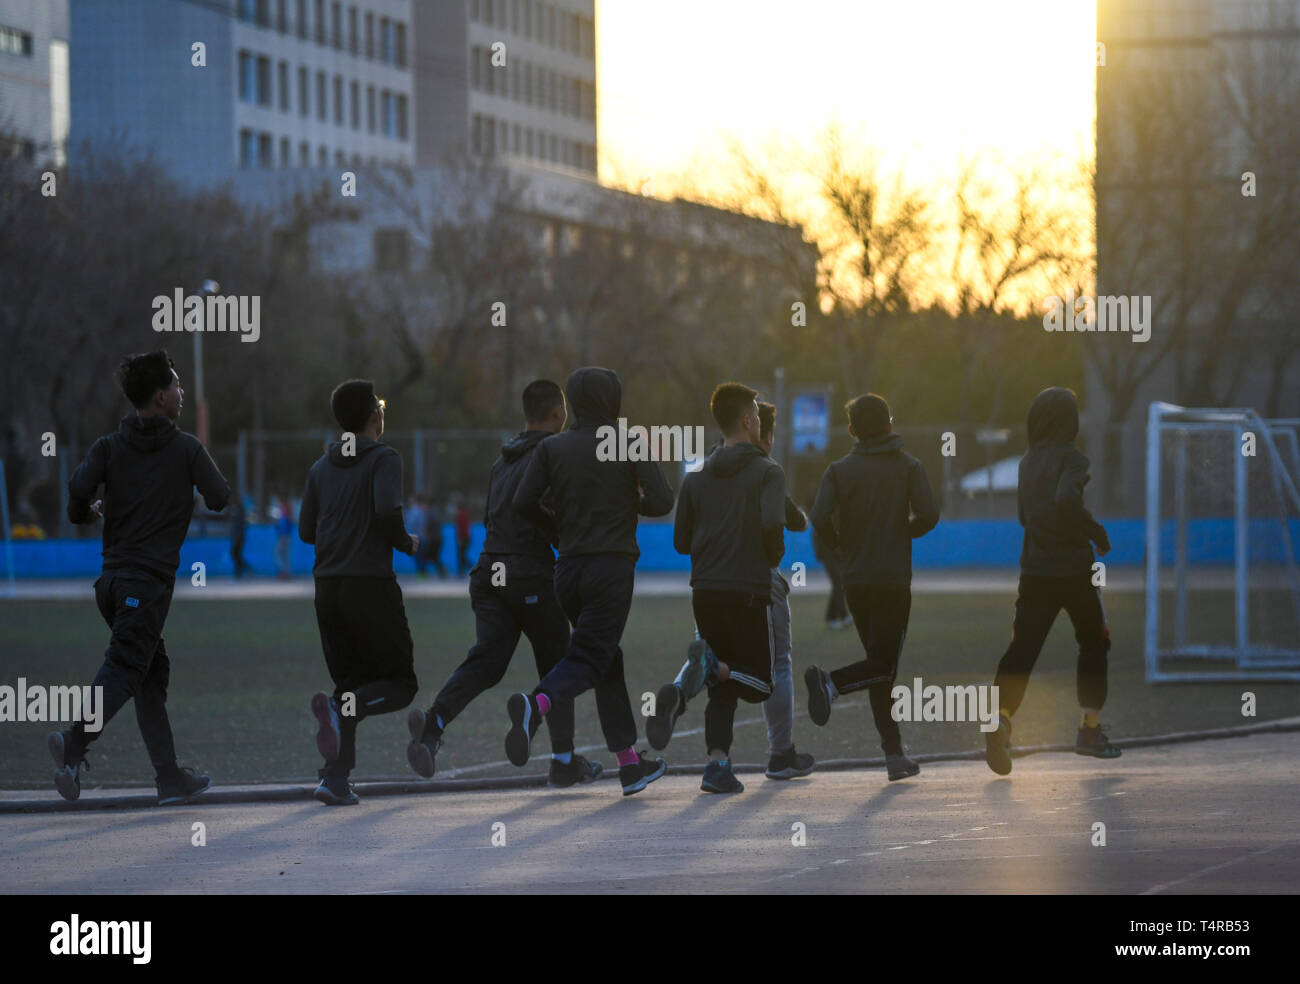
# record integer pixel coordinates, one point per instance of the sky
(923, 83)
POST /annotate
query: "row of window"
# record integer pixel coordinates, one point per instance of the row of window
(15, 42)
(532, 84)
(386, 112)
(539, 21)
(490, 136)
(257, 149)
(355, 33)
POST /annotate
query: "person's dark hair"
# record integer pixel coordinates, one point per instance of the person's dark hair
(766, 419)
(729, 404)
(869, 415)
(143, 375)
(541, 397)
(353, 401)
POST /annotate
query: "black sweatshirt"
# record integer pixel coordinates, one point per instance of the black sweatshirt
(884, 502)
(510, 533)
(1049, 497)
(352, 511)
(731, 518)
(149, 470)
(596, 502)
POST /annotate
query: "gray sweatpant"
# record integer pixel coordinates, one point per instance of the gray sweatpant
(778, 710)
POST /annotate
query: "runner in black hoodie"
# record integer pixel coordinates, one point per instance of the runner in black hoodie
(884, 502)
(731, 518)
(352, 512)
(596, 504)
(1055, 572)
(149, 470)
(512, 590)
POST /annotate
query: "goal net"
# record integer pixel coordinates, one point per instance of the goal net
(1222, 527)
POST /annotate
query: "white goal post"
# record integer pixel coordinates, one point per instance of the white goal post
(1222, 525)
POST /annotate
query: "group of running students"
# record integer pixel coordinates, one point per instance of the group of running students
(558, 566)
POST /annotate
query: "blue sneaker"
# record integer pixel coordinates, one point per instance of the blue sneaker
(67, 775)
(1093, 741)
(718, 778)
(699, 670)
(337, 791)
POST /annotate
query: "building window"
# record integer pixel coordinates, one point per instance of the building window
(336, 25)
(340, 159)
(304, 93)
(304, 154)
(247, 148)
(528, 83)
(474, 12)
(515, 139)
(400, 41)
(265, 150)
(387, 41)
(247, 78)
(285, 156)
(402, 131)
(247, 10)
(370, 35)
(318, 12)
(370, 108)
(338, 100)
(475, 68)
(392, 249)
(321, 111)
(354, 101)
(263, 81)
(300, 21)
(284, 86)
(389, 106)
(282, 16)
(322, 156)
(353, 40)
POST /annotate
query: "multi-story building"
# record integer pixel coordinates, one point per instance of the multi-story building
(1198, 208)
(33, 80)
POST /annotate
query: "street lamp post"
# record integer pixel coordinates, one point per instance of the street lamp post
(209, 288)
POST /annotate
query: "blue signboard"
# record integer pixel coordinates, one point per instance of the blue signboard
(810, 422)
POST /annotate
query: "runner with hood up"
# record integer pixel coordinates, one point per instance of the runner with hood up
(596, 504)
(352, 512)
(512, 591)
(149, 470)
(1055, 572)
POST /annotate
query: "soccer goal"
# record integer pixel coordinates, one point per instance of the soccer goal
(1222, 526)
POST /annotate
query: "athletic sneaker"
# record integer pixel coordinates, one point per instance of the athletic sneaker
(67, 777)
(997, 747)
(328, 736)
(818, 682)
(640, 774)
(718, 778)
(900, 767)
(182, 787)
(577, 770)
(701, 668)
(337, 791)
(425, 742)
(1091, 741)
(525, 719)
(789, 764)
(670, 703)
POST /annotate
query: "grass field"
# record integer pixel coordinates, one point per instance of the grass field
(243, 673)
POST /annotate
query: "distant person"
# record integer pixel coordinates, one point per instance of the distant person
(883, 501)
(1055, 572)
(837, 612)
(415, 520)
(784, 762)
(462, 539)
(149, 469)
(596, 504)
(352, 512)
(238, 530)
(283, 537)
(512, 590)
(431, 540)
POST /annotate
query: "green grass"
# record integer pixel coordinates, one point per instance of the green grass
(243, 672)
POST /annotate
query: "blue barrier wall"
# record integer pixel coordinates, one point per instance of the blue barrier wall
(959, 544)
